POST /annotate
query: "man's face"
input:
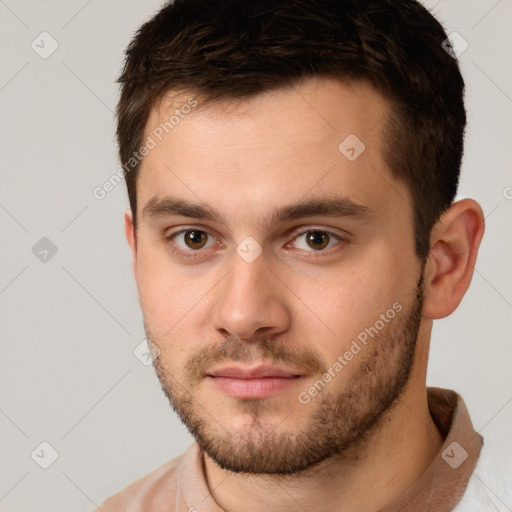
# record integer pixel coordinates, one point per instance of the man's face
(285, 332)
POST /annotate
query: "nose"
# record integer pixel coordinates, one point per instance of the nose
(251, 301)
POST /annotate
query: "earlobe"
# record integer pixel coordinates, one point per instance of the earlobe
(454, 243)
(131, 236)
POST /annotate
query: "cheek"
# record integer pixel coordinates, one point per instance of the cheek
(168, 305)
(345, 301)
(164, 293)
(175, 303)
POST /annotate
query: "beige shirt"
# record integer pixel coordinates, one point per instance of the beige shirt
(180, 484)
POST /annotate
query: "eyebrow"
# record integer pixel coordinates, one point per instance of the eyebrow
(331, 206)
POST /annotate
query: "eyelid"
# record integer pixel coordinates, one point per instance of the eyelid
(312, 253)
(344, 235)
(184, 229)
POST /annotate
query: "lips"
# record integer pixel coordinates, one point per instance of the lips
(253, 383)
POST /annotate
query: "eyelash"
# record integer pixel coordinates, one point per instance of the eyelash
(191, 254)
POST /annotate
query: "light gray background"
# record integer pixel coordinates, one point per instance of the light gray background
(69, 325)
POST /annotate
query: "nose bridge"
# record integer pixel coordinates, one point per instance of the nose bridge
(250, 300)
(245, 275)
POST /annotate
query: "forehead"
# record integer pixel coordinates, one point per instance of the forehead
(317, 108)
(320, 137)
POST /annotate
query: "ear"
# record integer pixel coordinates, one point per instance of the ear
(454, 244)
(131, 237)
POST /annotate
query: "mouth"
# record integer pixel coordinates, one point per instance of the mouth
(253, 383)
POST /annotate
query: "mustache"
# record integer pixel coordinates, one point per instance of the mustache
(232, 349)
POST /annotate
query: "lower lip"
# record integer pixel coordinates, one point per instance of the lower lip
(255, 389)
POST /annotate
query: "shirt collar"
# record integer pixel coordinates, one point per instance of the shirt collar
(443, 483)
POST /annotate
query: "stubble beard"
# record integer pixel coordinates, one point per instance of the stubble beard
(339, 420)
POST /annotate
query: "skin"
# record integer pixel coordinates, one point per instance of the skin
(245, 159)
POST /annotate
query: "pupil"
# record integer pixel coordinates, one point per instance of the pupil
(316, 238)
(195, 239)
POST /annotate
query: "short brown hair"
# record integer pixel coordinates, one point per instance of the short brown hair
(235, 49)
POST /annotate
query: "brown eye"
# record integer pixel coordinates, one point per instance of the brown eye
(191, 243)
(317, 240)
(195, 239)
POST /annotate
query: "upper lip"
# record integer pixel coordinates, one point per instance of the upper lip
(252, 373)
